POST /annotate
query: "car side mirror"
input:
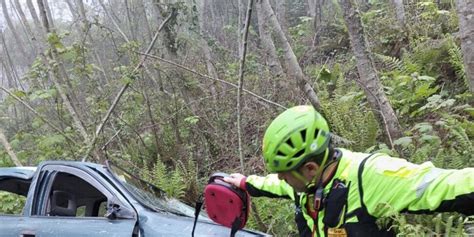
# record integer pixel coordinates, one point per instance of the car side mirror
(115, 211)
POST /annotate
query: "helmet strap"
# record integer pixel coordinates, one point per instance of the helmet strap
(319, 173)
(300, 177)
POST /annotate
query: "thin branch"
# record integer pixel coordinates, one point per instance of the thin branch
(111, 139)
(114, 22)
(212, 78)
(241, 83)
(123, 89)
(37, 114)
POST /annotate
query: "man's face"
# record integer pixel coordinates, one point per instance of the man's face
(298, 179)
(297, 184)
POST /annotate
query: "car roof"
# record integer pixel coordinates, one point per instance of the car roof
(72, 163)
(23, 172)
(27, 172)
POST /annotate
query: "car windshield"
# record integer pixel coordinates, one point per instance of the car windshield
(149, 195)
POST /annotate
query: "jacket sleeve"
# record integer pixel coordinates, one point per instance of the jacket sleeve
(268, 186)
(396, 185)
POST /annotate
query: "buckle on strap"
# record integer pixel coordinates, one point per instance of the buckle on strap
(318, 199)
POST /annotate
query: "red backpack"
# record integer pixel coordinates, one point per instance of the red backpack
(225, 204)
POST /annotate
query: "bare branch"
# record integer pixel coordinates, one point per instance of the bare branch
(123, 89)
(37, 114)
(241, 83)
(212, 78)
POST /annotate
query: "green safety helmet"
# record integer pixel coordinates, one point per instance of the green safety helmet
(293, 137)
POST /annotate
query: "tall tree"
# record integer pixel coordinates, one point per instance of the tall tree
(399, 11)
(241, 20)
(24, 21)
(12, 28)
(267, 44)
(80, 13)
(58, 71)
(34, 15)
(211, 70)
(316, 14)
(368, 77)
(280, 12)
(146, 23)
(465, 9)
(243, 51)
(294, 69)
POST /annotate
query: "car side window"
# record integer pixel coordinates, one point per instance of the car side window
(13, 193)
(73, 196)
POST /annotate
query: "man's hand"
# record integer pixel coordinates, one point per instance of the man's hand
(235, 179)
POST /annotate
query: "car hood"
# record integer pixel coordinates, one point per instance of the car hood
(166, 224)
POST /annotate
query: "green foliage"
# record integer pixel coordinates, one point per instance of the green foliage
(381, 28)
(428, 21)
(427, 225)
(11, 203)
(345, 109)
(276, 214)
(300, 34)
(178, 182)
(456, 61)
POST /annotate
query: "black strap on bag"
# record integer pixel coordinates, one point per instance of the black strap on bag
(197, 210)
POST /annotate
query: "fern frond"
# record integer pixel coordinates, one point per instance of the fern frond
(456, 60)
(392, 63)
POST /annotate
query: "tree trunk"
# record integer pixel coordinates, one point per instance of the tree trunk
(27, 26)
(465, 9)
(269, 49)
(399, 11)
(130, 21)
(9, 149)
(280, 12)
(240, 23)
(81, 14)
(58, 72)
(240, 101)
(142, 10)
(207, 51)
(19, 42)
(10, 69)
(294, 69)
(32, 10)
(315, 12)
(368, 76)
(48, 13)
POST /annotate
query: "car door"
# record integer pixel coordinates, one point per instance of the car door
(14, 185)
(74, 202)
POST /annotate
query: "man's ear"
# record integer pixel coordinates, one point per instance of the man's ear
(310, 168)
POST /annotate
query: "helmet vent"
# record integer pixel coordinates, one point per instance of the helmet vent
(303, 134)
(289, 142)
(316, 131)
(289, 164)
(300, 152)
(279, 153)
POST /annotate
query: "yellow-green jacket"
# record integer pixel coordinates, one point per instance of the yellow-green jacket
(372, 186)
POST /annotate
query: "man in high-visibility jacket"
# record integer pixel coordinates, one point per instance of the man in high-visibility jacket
(341, 193)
